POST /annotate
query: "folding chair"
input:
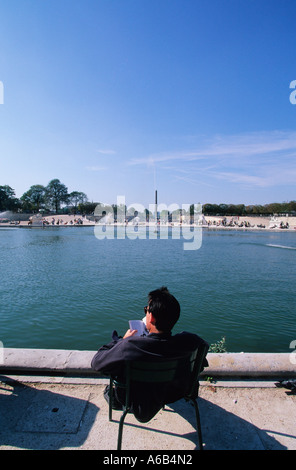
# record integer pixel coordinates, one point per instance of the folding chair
(161, 372)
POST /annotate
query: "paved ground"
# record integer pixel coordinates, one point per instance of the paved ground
(72, 414)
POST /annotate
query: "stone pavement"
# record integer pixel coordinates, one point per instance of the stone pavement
(51, 413)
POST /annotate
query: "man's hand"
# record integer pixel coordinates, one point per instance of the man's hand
(130, 333)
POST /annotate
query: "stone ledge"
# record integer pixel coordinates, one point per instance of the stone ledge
(250, 364)
(53, 361)
(74, 362)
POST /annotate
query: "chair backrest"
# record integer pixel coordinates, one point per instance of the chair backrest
(166, 370)
(197, 362)
(158, 372)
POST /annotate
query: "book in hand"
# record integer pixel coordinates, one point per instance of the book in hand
(140, 326)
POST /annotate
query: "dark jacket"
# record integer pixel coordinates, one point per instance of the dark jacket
(147, 400)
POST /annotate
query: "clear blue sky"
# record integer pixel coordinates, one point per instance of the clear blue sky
(117, 97)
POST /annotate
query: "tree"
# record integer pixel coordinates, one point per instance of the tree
(274, 208)
(8, 201)
(210, 209)
(236, 209)
(222, 209)
(76, 198)
(34, 198)
(87, 207)
(56, 194)
(292, 206)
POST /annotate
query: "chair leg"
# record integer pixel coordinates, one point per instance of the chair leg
(198, 425)
(110, 399)
(120, 429)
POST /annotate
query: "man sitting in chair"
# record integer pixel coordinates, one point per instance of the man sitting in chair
(162, 313)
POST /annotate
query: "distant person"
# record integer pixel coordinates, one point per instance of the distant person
(162, 313)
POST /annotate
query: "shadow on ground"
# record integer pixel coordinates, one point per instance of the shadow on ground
(33, 418)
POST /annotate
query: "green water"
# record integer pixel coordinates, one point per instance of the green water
(61, 287)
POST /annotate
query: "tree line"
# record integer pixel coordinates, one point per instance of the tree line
(52, 197)
(55, 197)
(242, 210)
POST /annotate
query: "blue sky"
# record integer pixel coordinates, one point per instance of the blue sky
(118, 97)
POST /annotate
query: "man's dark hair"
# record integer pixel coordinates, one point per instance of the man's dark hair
(164, 307)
